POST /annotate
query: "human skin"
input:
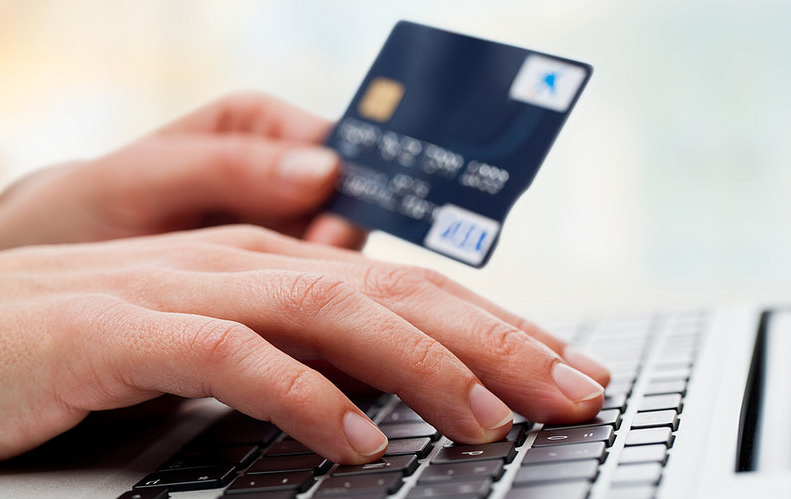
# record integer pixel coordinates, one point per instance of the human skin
(113, 292)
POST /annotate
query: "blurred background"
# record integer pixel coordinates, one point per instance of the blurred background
(668, 187)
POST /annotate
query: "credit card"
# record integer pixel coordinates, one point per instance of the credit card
(445, 133)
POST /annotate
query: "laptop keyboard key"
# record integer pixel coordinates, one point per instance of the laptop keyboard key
(660, 402)
(404, 464)
(572, 452)
(358, 484)
(145, 494)
(636, 492)
(240, 456)
(569, 490)
(649, 436)
(298, 481)
(614, 402)
(189, 478)
(575, 436)
(456, 453)
(409, 430)
(301, 462)
(604, 417)
(463, 471)
(662, 387)
(235, 429)
(274, 494)
(656, 418)
(656, 453)
(417, 446)
(472, 489)
(287, 447)
(635, 474)
(555, 472)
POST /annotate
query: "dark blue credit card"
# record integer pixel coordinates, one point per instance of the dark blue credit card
(445, 133)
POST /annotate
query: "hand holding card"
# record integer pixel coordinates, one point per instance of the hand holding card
(444, 134)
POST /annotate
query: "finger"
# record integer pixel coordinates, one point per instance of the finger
(522, 371)
(198, 356)
(165, 182)
(313, 316)
(255, 239)
(332, 230)
(577, 358)
(255, 113)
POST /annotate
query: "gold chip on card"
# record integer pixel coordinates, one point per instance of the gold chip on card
(381, 99)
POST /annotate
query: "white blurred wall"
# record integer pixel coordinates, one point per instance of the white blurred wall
(668, 187)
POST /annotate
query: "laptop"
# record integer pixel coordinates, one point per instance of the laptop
(698, 407)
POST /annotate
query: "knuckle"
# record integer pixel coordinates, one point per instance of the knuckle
(318, 294)
(216, 341)
(504, 341)
(394, 282)
(296, 389)
(427, 357)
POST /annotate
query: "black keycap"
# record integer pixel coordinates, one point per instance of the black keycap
(298, 481)
(235, 429)
(409, 430)
(604, 417)
(635, 474)
(401, 414)
(572, 452)
(473, 488)
(567, 490)
(369, 405)
(404, 464)
(240, 456)
(352, 495)
(189, 478)
(145, 494)
(300, 462)
(649, 436)
(656, 418)
(347, 485)
(556, 472)
(287, 447)
(656, 453)
(463, 471)
(270, 494)
(660, 402)
(496, 450)
(575, 436)
(417, 446)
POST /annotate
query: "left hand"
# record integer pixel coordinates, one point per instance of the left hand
(245, 158)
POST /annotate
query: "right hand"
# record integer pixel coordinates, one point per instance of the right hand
(236, 313)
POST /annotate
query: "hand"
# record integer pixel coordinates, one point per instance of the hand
(236, 313)
(246, 158)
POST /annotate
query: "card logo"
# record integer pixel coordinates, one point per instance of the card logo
(381, 99)
(546, 82)
(462, 234)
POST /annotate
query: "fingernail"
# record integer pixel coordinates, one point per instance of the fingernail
(584, 361)
(489, 410)
(307, 164)
(575, 385)
(364, 436)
